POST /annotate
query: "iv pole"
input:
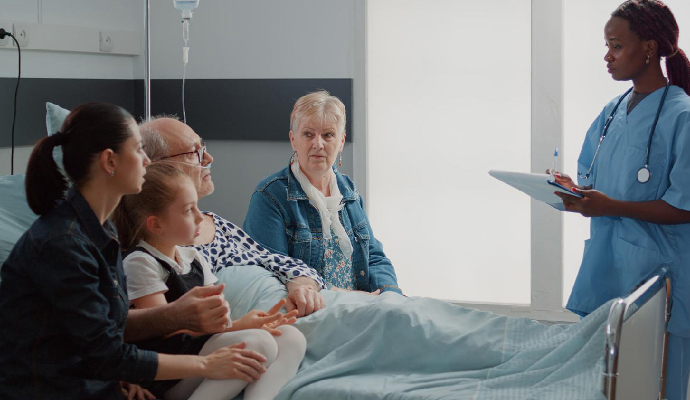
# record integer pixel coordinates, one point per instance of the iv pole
(147, 79)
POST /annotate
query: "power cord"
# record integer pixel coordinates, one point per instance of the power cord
(4, 33)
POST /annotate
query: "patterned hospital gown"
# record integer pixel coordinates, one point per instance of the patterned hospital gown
(232, 246)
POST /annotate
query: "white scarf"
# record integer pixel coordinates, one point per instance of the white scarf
(328, 207)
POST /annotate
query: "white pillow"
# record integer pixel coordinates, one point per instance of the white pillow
(55, 116)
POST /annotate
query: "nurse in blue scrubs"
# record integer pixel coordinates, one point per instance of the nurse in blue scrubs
(634, 174)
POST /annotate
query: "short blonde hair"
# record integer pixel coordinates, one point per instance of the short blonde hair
(319, 104)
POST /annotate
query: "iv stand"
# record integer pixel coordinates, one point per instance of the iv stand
(147, 79)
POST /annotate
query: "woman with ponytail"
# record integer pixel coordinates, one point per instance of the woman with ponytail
(63, 296)
(634, 176)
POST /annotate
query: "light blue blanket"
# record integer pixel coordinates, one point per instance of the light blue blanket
(393, 347)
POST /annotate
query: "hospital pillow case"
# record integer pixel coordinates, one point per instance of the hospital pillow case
(55, 116)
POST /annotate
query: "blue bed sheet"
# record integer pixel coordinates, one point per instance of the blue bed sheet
(393, 347)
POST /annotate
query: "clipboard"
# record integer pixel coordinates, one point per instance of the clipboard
(537, 186)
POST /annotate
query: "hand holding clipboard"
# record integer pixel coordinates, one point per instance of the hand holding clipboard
(538, 186)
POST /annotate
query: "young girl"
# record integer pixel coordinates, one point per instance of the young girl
(153, 225)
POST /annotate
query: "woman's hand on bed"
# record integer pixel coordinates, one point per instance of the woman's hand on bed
(135, 392)
(303, 297)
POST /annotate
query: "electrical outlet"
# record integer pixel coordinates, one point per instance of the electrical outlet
(106, 42)
(4, 42)
(21, 33)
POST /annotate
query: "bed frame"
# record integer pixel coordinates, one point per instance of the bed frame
(637, 342)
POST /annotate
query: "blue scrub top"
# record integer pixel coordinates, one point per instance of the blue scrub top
(622, 251)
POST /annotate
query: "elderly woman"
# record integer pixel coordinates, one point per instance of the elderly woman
(312, 212)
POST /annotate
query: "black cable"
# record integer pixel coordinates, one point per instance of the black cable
(4, 33)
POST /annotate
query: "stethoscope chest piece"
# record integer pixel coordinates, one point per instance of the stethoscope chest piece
(643, 175)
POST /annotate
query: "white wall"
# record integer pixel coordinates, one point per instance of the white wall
(106, 14)
(256, 39)
(588, 88)
(443, 111)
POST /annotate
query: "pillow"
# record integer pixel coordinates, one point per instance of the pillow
(249, 287)
(55, 116)
(15, 215)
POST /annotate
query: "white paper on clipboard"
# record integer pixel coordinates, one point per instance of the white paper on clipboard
(537, 186)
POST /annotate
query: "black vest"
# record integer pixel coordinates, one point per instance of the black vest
(177, 284)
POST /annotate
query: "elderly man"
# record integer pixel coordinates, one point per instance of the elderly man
(222, 242)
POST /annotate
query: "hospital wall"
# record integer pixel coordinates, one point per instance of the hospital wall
(258, 39)
(228, 40)
(104, 14)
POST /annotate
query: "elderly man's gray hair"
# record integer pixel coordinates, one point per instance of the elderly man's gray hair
(155, 146)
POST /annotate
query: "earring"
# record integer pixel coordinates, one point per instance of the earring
(293, 158)
(340, 159)
(112, 173)
(647, 62)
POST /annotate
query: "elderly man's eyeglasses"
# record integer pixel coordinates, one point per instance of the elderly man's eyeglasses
(198, 152)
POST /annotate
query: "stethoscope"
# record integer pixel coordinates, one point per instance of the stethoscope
(643, 173)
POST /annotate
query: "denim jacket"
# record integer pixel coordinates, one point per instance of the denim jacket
(63, 308)
(282, 219)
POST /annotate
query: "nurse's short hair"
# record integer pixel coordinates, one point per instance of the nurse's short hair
(320, 105)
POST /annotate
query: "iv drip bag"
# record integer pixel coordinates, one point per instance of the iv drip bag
(186, 7)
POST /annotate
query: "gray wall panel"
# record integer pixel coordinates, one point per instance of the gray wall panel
(217, 109)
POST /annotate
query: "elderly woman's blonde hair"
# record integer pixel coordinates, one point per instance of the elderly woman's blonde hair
(320, 106)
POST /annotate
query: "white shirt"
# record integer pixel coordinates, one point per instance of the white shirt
(146, 276)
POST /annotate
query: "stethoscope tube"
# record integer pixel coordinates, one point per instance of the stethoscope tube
(643, 173)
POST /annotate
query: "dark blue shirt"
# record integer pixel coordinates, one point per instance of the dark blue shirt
(63, 308)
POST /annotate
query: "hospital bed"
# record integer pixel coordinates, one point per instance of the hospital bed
(630, 346)
(628, 343)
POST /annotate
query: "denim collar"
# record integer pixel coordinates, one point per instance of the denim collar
(100, 235)
(295, 191)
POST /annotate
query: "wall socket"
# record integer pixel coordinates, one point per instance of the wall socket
(21, 33)
(4, 42)
(106, 42)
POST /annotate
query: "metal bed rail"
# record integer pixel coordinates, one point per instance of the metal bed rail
(621, 311)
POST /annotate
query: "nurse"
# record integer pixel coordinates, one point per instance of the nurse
(634, 174)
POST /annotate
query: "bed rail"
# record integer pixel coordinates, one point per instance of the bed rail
(624, 317)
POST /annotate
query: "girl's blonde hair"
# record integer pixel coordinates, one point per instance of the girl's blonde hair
(158, 192)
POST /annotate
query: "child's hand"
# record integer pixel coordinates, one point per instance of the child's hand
(256, 319)
(269, 321)
(287, 319)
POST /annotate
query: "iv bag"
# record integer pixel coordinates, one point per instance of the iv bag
(186, 7)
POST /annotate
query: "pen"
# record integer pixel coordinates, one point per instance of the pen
(555, 163)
